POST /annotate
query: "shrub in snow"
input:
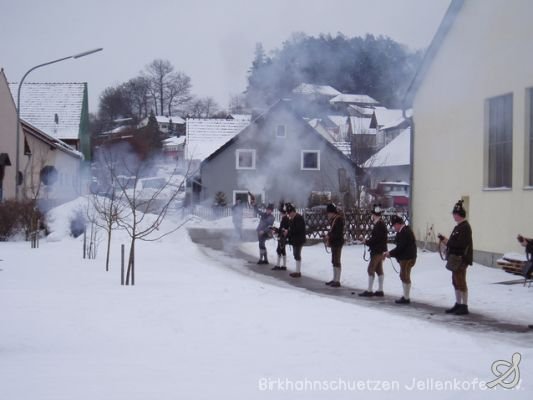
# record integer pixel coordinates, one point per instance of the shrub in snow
(18, 217)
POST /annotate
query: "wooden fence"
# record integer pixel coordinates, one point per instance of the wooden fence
(358, 222)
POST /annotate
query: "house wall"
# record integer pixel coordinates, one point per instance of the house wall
(8, 143)
(486, 53)
(278, 174)
(68, 184)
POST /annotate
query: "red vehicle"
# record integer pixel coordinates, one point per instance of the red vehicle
(393, 194)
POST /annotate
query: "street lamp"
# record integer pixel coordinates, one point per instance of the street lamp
(79, 55)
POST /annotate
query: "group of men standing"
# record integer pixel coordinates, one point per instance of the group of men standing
(292, 231)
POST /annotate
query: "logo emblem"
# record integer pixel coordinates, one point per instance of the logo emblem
(503, 375)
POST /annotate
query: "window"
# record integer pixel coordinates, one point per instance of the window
(500, 142)
(281, 131)
(245, 159)
(310, 160)
(529, 144)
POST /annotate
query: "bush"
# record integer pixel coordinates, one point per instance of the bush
(19, 217)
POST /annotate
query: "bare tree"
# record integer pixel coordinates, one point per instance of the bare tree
(106, 199)
(237, 104)
(177, 91)
(142, 207)
(203, 108)
(138, 91)
(168, 88)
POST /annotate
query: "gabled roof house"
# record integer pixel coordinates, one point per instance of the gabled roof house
(40, 154)
(60, 110)
(279, 156)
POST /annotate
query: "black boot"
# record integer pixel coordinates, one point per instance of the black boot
(462, 310)
(453, 309)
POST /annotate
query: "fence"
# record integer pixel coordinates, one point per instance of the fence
(358, 222)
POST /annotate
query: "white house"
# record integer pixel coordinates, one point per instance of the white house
(472, 125)
(165, 123)
(49, 169)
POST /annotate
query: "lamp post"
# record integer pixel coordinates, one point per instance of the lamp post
(79, 55)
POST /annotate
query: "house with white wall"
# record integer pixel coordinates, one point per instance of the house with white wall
(49, 169)
(472, 135)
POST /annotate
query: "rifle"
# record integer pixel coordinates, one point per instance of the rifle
(325, 239)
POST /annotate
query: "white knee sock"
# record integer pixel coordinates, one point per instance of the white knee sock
(279, 260)
(284, 261)
(458, 296)
(381, 278)
(406, 290)
(370, 283)
(336, 274)
(465, 298)
(298, 266)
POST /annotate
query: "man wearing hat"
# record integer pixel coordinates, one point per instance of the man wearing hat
(377, 245)
(266, 220)
(296, 237)
(405, 254)
(460, 244)
(335, 240)
(282, 232)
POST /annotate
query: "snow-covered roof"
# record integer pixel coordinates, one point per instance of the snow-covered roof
(308, 89)
(385, 116)
(345, 147)
(161, 119)
(50, 140)
(396, 153)
(242, 117)
(353, 99)
(165, 120)
(367, 111)
(174, 141)
(339, 120)
(206, 135)
(40, 102)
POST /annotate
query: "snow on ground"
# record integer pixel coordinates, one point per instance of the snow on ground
(193, 328)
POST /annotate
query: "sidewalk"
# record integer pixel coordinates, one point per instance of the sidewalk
(477, 320)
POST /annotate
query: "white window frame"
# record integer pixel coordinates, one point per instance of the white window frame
(237, 154)
(302, 154)
(277, 133)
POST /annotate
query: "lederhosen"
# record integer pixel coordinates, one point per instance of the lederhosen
(282, 239)
(460, 243)
(405, 252)
(377, 244)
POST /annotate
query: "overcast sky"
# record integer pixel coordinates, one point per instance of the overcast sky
(212, 41)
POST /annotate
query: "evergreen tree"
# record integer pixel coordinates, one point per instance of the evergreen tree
(376, 66)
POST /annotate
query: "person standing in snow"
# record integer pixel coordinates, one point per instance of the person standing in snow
(528, 244)
(266, 220)
(405, 254)
(296, 237)
(236, 215)
(335, 240)
(377, 245)
(282, 233)
(460, 244)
